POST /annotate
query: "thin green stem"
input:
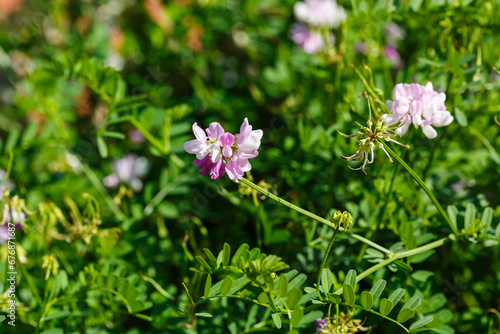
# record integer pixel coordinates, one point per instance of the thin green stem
(145, 132)
(164, 192)
(397, 256)
(312, 215)
(423, 185)
(323, 263)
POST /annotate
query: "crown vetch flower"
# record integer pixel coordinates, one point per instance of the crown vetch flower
(221, 152)
(420, 105)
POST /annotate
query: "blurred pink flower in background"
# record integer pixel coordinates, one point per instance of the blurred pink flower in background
(320, 13)
(420, 105)
(128, 170)
(316, 16)
(361, 47)
(136, 136)
(393, 33)
(392, 56)
(311, 41)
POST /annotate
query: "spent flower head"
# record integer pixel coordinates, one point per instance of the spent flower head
(340, 324)
(371, 137)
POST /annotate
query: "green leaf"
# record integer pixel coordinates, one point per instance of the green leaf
(470, 215)
(401, 265)
(349, 296)
(487, 217)
(239, 252)
(405, 314)
(366, 300)
(226, 286)
(210, 255)
(336, 299)
(396, 296)
(203, 263)
(385, 306)
(113, 134)
(269, 281)
(101, 146)
(226, 254)
(460, 116)
(297, 315)
(208, 285)
(2, 318)
(53, 331)
(311, 316)
(350, 278)
(377, 289)
(326, 280)
(263, 298)
(282, 285)
(452, 213)
(420, 323)
(204, 315)
(412, 303)
(422, 275)
(277, 320)
(293, 297)
(11, 141)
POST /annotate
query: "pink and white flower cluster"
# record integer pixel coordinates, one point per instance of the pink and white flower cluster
(219, 152)
(316, 16)
(420, 105)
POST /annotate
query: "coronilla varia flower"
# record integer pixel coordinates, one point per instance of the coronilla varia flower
(219, 152)
(371, 137)
(420, 105)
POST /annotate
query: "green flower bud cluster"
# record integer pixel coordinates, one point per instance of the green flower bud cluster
(343, 219)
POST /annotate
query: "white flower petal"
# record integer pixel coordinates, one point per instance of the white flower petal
(194, 146)
(251, 143)
(199, 133)
(429, 132)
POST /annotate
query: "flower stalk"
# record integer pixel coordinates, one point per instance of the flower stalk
(313, 216)
(424, 187)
